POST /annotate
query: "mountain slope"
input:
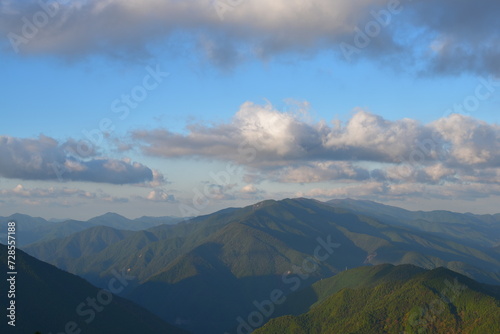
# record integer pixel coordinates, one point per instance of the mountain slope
(469, 229)
(51, 300)
(146, 251)
(387, 299)
(237, 256)
(38, 229)
(265, 247)
(81, 244)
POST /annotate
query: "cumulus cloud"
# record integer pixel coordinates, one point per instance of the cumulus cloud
(391, 191)
(444, 36)
(158, 195)
(275, 135)
(51, 192)
(311, 172)
(471, 142)
(261, 136)
(44, 158)
(400, 156)
(251, 189)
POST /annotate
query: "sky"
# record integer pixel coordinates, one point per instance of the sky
(184, 107)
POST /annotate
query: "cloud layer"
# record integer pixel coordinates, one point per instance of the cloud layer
(63, 196)
(46, 159)
(442, 36)
(393, 156)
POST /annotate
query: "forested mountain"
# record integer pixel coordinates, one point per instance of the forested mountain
(207, 272)
(35, 229)
(50, 300)
(466, 228)
(392, 300)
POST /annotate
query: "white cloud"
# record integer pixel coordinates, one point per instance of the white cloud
(312, 172)
(379, 191)
(44, 158)
(448, 36)
(159, 195)
(46, 195)
(279, 139)
(438, 171)
(390, 157)
(251, 190)
(473, 142)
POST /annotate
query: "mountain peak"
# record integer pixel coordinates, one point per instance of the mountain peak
(23, 217)
(110, 215)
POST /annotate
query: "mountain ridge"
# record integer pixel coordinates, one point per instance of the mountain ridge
(393, 300)
(239, 255)
(49, 299)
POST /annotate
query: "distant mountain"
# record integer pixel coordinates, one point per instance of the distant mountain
(148, 221)
(147, 251)
(392, 300)
(77, 245)
(26, 227)
(466, 228)
(117, 221)
(37, 229)
(237, 256)
(48, 300)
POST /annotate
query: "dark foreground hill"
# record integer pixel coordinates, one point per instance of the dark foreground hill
(50, 300)
(393, 300)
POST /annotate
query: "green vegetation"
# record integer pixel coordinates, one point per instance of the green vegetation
(36, 229)
(237, 256)
(48, 299)
(402, 299)
(469, 229)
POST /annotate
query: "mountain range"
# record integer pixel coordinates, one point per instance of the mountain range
(393, 300)
(50, 300)
(208, 273)
(466, 228)
(34, 229)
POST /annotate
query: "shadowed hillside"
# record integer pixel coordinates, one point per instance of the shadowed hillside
(51, 300)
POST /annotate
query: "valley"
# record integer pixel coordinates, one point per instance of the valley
(283, 262)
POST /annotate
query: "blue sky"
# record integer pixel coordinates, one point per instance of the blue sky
(233, 102)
